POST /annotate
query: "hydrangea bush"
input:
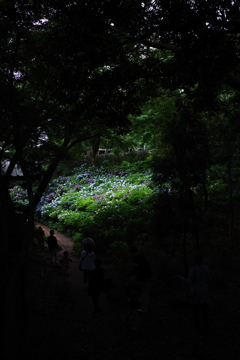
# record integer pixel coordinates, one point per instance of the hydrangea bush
(19, 195)
(112, 204)
(116, 205)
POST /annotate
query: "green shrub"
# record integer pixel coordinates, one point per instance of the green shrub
(82, 204)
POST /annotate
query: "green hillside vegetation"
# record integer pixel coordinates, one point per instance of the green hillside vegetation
(121, 205)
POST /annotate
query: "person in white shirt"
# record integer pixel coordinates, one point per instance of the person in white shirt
(86, 263)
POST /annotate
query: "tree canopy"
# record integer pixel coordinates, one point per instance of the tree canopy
(75, 71)
(201, 38)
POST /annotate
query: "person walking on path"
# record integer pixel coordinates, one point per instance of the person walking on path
(198, 279)
(88, 241)
(142, 268)
(86, 263)
(82, 305)
(95, 288)
(52, 246)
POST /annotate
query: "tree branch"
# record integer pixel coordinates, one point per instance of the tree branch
(144, 41)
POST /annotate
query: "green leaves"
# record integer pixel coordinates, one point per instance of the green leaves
(118, 201)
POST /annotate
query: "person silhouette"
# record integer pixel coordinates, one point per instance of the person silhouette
(52, 246)
(198, 279)
(86, 263)
(89, 241)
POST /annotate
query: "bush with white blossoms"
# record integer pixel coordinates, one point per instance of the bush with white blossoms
(111, 203)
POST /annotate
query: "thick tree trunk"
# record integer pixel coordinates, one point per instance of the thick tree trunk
(205, 197)
(7, 213)
(16, 282)
(49, 173)
(94, 148)
(180, 150)
(185, 236)
(230, 198)
(13, 310)
(189, 205)
(192, 212)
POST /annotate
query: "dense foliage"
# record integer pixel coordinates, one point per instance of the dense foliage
(121, 205)
(112, 204)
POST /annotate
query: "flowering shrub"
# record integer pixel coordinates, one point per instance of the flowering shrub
(111, 203)
(115, 205)
(19, 195)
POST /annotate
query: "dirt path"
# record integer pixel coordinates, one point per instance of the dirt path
(56, 332)
(82, 306)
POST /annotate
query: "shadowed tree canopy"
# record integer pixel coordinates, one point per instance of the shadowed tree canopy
(65, 62)
(63, 79)
(201, 39)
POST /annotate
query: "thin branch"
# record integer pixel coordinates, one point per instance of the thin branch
(80, 139)
(154, 44)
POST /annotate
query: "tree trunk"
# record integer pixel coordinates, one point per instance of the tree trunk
(191, 208)
(49, 173)
(205, 197)
(7, 212)
(185, 235)
(189, 204)
(230, 197)
(94, 148)
(16, 283)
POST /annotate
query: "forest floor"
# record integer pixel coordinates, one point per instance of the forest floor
(60, 322)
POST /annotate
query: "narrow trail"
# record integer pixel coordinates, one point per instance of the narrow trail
(82, 307)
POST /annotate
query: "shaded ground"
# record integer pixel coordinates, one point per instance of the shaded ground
(60, 324)
(81, 302)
